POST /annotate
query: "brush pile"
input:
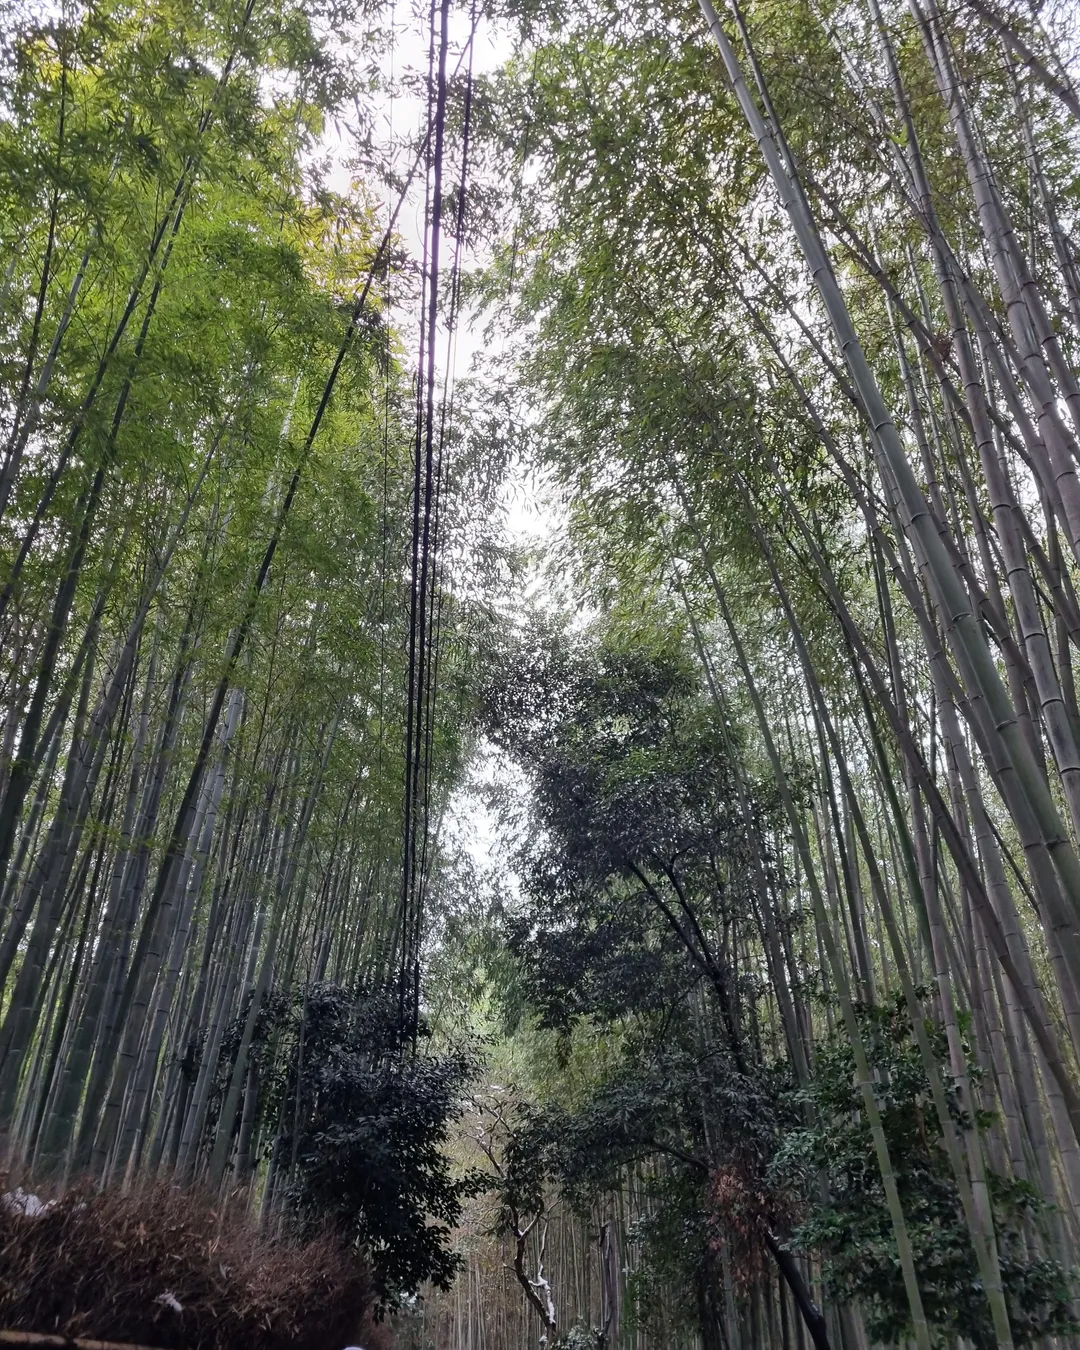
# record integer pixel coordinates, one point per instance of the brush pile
(163, 1267)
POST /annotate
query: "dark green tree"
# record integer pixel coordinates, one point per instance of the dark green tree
(369, 1117)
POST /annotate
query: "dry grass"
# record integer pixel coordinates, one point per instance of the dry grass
(101, 1263)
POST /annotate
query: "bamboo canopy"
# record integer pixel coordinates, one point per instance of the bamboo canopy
(773, 938)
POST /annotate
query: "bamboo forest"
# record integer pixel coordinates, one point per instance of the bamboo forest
(539, 647)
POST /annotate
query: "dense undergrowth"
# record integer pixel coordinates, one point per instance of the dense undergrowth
(158, 1266)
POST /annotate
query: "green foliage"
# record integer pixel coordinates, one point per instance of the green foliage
(640, 842)
(672, 1235)
(581, 1336)
(357, 1122)
(370, 1119)
(852, 1230)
